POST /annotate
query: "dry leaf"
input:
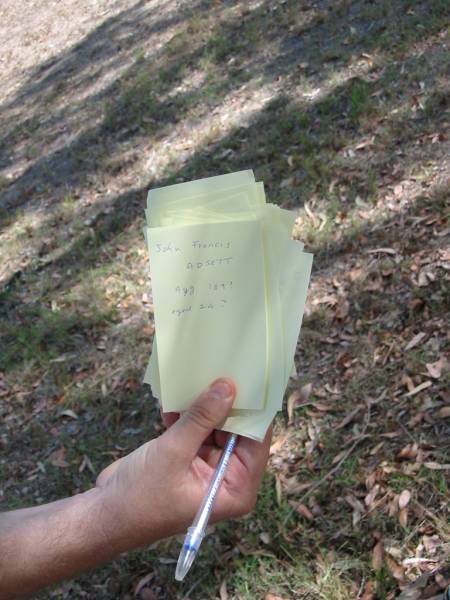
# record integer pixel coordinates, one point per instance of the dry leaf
(304, 512)
(86, 462)
(279, 490)
(443, 413)
(330, 299)
(355, 274)
(349, 418)
(370, 498)
(425, 276)
(69, 413)
(409, 451)
(57, 458)
(142, 583)
(338, 457)
(431, 543)
(278, 444)
(369, 591)
(434, 466)
(371, 480)
(419, 388)
(393, 506)
(435, 369)
(403, 499)
(265, 537)
(342, 308)
(344, 360)
(397, 571)
(415, 341)
(297, 398)
(408, 382)
(358, 509)
(382, 251)
(403, 517)
(223, 593)
(376, 449)
(294, 487)
(377, 555)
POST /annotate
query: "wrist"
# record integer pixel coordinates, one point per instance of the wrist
(122, 524)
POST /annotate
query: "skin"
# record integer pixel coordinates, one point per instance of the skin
(150, 494)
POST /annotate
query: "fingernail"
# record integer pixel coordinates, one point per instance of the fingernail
(221, 389)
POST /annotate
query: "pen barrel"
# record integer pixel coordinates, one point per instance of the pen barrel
(204, 512)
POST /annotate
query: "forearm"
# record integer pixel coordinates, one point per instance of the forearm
(42, 545)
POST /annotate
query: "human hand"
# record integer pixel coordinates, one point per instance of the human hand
(155, 491)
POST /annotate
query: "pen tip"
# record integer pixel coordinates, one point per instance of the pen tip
(184, 562)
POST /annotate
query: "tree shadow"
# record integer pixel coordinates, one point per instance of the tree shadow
(319, 138)
(75, 128)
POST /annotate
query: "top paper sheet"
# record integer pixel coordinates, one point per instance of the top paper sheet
(209, 293)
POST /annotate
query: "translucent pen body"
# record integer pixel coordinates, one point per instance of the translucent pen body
(196, 532)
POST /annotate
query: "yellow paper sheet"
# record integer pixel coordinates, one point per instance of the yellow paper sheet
(290, 271)
(268, 316)
(229, 204)
(293, 290)
(160, 200)
(209, 294)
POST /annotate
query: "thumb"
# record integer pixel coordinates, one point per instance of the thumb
(207, 413)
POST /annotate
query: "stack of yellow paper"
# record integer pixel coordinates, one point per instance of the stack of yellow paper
(229, 289)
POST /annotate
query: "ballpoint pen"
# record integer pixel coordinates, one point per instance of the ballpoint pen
(196, 532)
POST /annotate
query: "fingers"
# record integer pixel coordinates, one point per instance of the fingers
(254, 454)
(169, 418)
(207, 413)
(242, 480)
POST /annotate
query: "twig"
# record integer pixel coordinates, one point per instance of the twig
(334, 469)
(408, 433)
(194, 585)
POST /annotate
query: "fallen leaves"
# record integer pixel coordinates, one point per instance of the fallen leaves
(358, 509)
(298, 398)
(397, 571)
(351, 416)
(415, 341)
(86, 463)
(404, 499)
(419, 388)
(303, 511)
(68, 413)
(57, 458)
(409, 451)
(434, 466)
(265, 537)
(436, 369)
(403, 517)
(142, 583)
(443, 413)
(369, 499)
(390, 251)
(278, 444)
(378, 555)
(223, 592)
